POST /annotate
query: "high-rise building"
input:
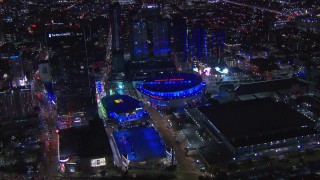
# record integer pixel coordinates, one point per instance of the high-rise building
(217, 48)
(161, 40)
(117, 39)
(151, 40)
(204, 45)
(70, 67)
(115, 14)
(179, 33)
(197, 44)
(140, 41)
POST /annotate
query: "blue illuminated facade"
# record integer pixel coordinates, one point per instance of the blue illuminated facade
(161, 42)
(180, 87)
(123, 108)
(50, 93)
(140, 41)
(204, 45)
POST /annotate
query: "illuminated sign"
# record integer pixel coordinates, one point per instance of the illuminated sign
(64, 34)
(207, 71)
(64, 160)
(171, 79)
(155, 97)
(98, 162)
(118, 101)
(59, 34)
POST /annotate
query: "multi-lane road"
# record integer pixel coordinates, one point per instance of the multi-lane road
(186, 168)
(48, 135)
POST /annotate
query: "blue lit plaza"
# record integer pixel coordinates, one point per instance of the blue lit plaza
(140, 144)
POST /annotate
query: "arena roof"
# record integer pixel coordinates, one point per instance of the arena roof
(172, 82)
(265, 86)
(170, 86)
(257, 121)
(120, 103)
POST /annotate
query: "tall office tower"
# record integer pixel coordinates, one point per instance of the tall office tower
(205, 45)
(196, 43)
(217, 44)
(115, 14)
(161, 41)
(140, 41)
(179, 32)
(70, 65)
(117, 40)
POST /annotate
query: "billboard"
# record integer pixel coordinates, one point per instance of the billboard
(98, 162)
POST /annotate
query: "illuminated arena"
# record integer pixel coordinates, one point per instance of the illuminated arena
(122, 108)
(172, 89)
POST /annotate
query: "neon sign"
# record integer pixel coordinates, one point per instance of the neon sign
(155, 97)
(118, 101)
(171, 79)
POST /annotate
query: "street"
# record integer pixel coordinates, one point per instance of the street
(186, 168)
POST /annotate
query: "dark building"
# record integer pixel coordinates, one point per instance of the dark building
(260, 124)
(16, 103)
(179, 34)
(8, 30)
(268, 88)
(86, 148)
(118, 64)
(115, 14)
(70, 65)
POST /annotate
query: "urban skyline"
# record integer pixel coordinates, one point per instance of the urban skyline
(156, 89)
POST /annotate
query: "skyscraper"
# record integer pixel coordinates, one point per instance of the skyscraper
(73, 83)
(217, 40)
(117, 40)
(179, 32)
(140, 41)
(205, 45)
(115, 14)
(161, 41)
